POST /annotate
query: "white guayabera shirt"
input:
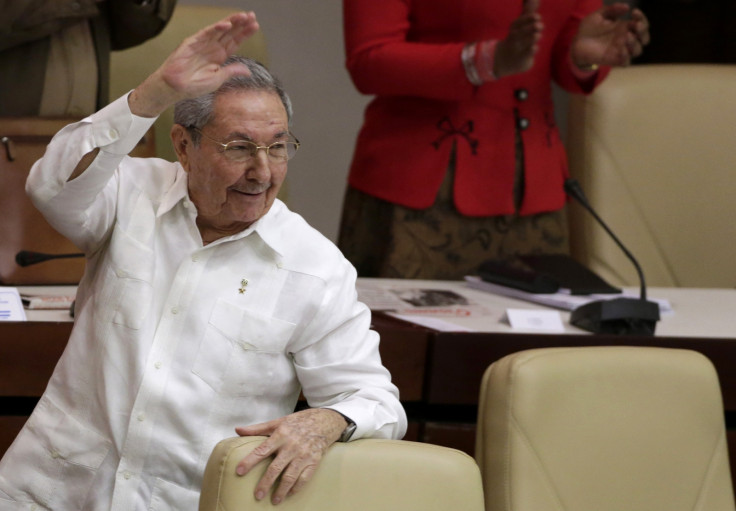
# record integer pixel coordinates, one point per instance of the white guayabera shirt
(175, 343)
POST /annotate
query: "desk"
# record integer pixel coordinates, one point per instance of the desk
(438, 372)
(29, 351)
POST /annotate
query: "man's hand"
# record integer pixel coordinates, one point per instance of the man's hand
(515, 54)
(195, 67)
(606, 38)
(298, 442)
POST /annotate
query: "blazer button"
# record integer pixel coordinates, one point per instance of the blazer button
(522, 123)
(521, 94)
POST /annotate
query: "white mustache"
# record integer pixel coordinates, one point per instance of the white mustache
(254, 190)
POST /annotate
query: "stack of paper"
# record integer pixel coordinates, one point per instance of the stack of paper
(563, 299)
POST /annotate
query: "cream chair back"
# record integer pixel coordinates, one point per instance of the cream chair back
(367, 474)
(604, 429)
(654, 150)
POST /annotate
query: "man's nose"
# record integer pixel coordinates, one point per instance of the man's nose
(259, 164)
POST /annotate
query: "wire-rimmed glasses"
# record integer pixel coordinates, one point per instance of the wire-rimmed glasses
(241, 151)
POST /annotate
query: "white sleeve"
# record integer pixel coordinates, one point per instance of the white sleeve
(68, 205)
(342, 369)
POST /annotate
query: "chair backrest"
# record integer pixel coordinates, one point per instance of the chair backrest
(130, 67)
(653, 148)
(366, 474)
(604, 429)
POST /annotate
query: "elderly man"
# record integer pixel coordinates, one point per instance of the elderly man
(206, 305)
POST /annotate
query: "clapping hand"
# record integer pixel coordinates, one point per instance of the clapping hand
(606, 38)
(515, 53)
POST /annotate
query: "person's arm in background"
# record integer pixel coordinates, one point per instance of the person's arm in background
(23, 21)
(381, 61)
(134, 21)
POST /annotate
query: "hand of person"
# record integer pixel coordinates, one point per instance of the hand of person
(606, 38)
(195, 67)
(515, 53)
(298, 441)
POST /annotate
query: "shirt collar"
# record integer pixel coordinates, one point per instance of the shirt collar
(269, 229)
(177, 192)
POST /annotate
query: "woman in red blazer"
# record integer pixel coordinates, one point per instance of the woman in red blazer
(459, 159)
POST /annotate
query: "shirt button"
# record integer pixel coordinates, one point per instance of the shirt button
(141, 417)
(521, 94)
(279, 265)
(113, 133)
(55, 454)
(195, 258)
(121, 273)
(175, 310)
(127, 475)
(522, 123)
(157, 365)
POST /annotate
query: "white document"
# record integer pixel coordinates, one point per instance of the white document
(535, 319)
(11, 306)
(431, 322)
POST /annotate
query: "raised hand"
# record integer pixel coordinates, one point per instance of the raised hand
(195, 66)
(298, 441)
(606, 38)
(515, 53)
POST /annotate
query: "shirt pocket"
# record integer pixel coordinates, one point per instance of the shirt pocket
(131, 274)
(244, 353)
(54, 459)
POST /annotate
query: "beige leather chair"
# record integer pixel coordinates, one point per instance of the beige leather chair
(604, 429)
(130, 67)
(654, 149)
(367, 474)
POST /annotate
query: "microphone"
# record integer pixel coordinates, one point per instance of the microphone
(27, 258)
(622, 316)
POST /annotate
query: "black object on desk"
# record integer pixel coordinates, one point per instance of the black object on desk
(545, 273)
(569, 274)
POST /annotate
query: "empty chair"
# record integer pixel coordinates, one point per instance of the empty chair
(367, 474)
(653, 148)
(604, 429)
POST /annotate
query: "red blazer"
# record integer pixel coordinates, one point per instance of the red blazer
(407, 53)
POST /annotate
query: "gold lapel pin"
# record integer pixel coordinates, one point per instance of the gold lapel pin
(243, 285)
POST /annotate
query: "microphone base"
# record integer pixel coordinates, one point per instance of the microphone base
(620, 316)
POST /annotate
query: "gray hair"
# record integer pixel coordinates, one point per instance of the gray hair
(197, 112)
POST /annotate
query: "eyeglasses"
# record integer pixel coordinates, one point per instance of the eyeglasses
(241, 151)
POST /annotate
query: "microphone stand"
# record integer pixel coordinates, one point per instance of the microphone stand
(621, 316)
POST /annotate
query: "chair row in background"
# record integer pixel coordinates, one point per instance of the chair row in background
(575, 429)
(653, 148)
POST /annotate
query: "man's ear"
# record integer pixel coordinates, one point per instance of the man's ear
(182, 144)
